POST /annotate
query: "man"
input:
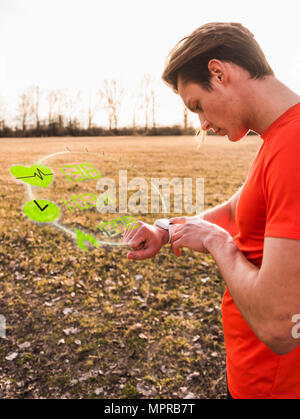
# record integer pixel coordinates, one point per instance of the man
(221, 73)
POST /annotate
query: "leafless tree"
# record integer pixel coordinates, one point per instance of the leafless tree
(137, 106)
(24, 108)
(35, 97)
(52, 99)
(112, 96)
(93, 105)
(148, 99)
(29, 106)
(61, 107)
(72, 102)
(3, 114)
(134, 121)
(153, 106)
(185, 118)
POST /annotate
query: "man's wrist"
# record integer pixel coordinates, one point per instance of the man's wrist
(164, 234)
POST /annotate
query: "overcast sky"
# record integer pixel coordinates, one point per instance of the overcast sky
(76, 44)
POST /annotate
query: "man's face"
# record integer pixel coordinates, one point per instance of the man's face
(218, 109)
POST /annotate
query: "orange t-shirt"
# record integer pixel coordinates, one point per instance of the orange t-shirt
(268, 206)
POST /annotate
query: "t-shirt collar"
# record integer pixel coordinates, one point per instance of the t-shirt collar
(277, 121)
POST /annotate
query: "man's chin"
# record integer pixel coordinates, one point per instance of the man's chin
(237, 137)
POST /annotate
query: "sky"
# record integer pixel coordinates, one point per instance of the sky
(76, 44)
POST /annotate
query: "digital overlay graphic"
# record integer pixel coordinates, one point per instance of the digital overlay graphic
(94, 186)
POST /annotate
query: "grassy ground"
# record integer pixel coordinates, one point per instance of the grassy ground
(93, 324)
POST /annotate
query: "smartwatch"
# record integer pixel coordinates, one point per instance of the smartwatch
(165, 225)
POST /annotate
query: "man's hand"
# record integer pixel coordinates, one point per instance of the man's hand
(146, 241)
(192, 233)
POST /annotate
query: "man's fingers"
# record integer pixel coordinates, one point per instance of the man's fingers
(129, 230)
(141, 254)
(125, 233)
(129, 234)
(129, 237)
(137, 239)
(176, 233)
(176, 247)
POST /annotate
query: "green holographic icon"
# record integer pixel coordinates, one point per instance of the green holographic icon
(81, 237)
(37, 174)
(41, 210)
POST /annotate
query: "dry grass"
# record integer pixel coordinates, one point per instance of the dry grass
(123, 335)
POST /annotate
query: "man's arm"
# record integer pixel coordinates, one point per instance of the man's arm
(268, 297)
(224, 215)
(147, 240)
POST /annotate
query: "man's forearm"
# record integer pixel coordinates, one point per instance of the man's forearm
(222, 216)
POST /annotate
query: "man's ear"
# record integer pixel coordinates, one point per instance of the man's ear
(218, 69)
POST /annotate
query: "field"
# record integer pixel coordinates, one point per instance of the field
(93, 324)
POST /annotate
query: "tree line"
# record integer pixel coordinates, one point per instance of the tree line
(65, 111)
(70, 115)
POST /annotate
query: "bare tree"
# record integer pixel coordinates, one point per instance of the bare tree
(77, 109)
(112, 96)
(61, 107)
(71, 105)
(148, 99)
(134, 119)
(93, 105)
(185, 118)
(52, 99)
(153, 106)
(35, 97)
(24, 108)
(136, 107)
(3, 114)
(29, 106)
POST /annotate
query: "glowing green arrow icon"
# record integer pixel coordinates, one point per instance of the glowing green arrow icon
(81, 237)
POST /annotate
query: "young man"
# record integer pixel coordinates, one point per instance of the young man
(221, 73)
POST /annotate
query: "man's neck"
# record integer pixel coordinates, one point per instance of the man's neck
(267, 100)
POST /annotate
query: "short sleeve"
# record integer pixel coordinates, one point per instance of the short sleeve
(282, 185)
